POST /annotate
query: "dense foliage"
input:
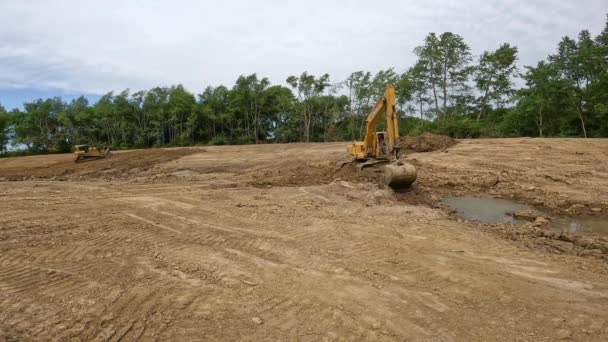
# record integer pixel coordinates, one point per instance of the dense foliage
(448, 90)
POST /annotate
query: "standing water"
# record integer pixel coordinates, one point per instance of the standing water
(577, 225)
(487, 210)
(493, 210)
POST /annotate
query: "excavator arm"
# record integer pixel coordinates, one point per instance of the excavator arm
(372, 120)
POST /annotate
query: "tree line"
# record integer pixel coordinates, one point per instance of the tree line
(448, 91)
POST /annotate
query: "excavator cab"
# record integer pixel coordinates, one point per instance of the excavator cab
(381, 146)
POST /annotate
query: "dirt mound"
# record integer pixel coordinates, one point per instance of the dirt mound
(427, 142)
(119, 165)
(309, 173)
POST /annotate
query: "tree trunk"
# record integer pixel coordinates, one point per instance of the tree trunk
(420, 102)
(540, 120)
(482, 105)
(307, 125)
(579, 111)
(434, 84)
(445, 96)
(580, 116)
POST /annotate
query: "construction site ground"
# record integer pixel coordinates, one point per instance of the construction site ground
(273, 242)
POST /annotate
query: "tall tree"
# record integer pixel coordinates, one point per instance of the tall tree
(417, 79)
(493, 76)
(4, 123)
(446, 59)
(360, 94)
(181, 104)
(39, 124)
(543, 86)
(309, 87)
(580, 64)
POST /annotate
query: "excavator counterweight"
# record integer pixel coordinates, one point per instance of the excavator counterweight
(383, 147)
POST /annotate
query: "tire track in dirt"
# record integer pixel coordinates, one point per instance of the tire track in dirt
(334, 261)
(17, 281)
(133, 306)
(194, 229)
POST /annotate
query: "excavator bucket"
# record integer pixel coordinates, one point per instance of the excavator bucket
(400, 175)
(397, 175)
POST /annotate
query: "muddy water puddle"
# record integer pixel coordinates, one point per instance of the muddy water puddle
(486, 210)
(580, 225)
(495, 210)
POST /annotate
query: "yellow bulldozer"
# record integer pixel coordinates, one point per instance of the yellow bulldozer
(379, 148)
(86, 153)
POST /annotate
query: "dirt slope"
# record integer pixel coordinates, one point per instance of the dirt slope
(263, 243)
(121, 164)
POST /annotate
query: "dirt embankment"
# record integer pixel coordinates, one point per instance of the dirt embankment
(560, 177)
(119, 165)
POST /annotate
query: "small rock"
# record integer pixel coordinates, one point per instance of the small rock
(584, 241)
(596, 210)
(567, 237)
(601, 246)
(588, 252)
(257, 320)
(528, 215)
(332, 335)
(562, 246)
(563, 334)
(540, 222)
(376, 326)
(549, 234)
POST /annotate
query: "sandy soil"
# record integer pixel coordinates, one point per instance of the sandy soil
(269, 242)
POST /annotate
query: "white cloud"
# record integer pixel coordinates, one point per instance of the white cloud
(97, 46)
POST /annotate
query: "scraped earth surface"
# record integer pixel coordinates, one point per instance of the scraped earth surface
(272, 242)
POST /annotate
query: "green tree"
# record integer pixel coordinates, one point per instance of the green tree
(309, 87)
(543, 86)
(416, 77)
(38, 125)
(4, 125)
(493, 76)
(181, 104)
(446, 64)
(582, 64)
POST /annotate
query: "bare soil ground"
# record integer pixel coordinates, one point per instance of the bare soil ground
(269, 242)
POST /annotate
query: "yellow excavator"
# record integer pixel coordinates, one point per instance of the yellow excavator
(383, 147)
(84, 153)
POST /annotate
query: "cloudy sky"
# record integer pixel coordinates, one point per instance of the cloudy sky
(66, 48)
